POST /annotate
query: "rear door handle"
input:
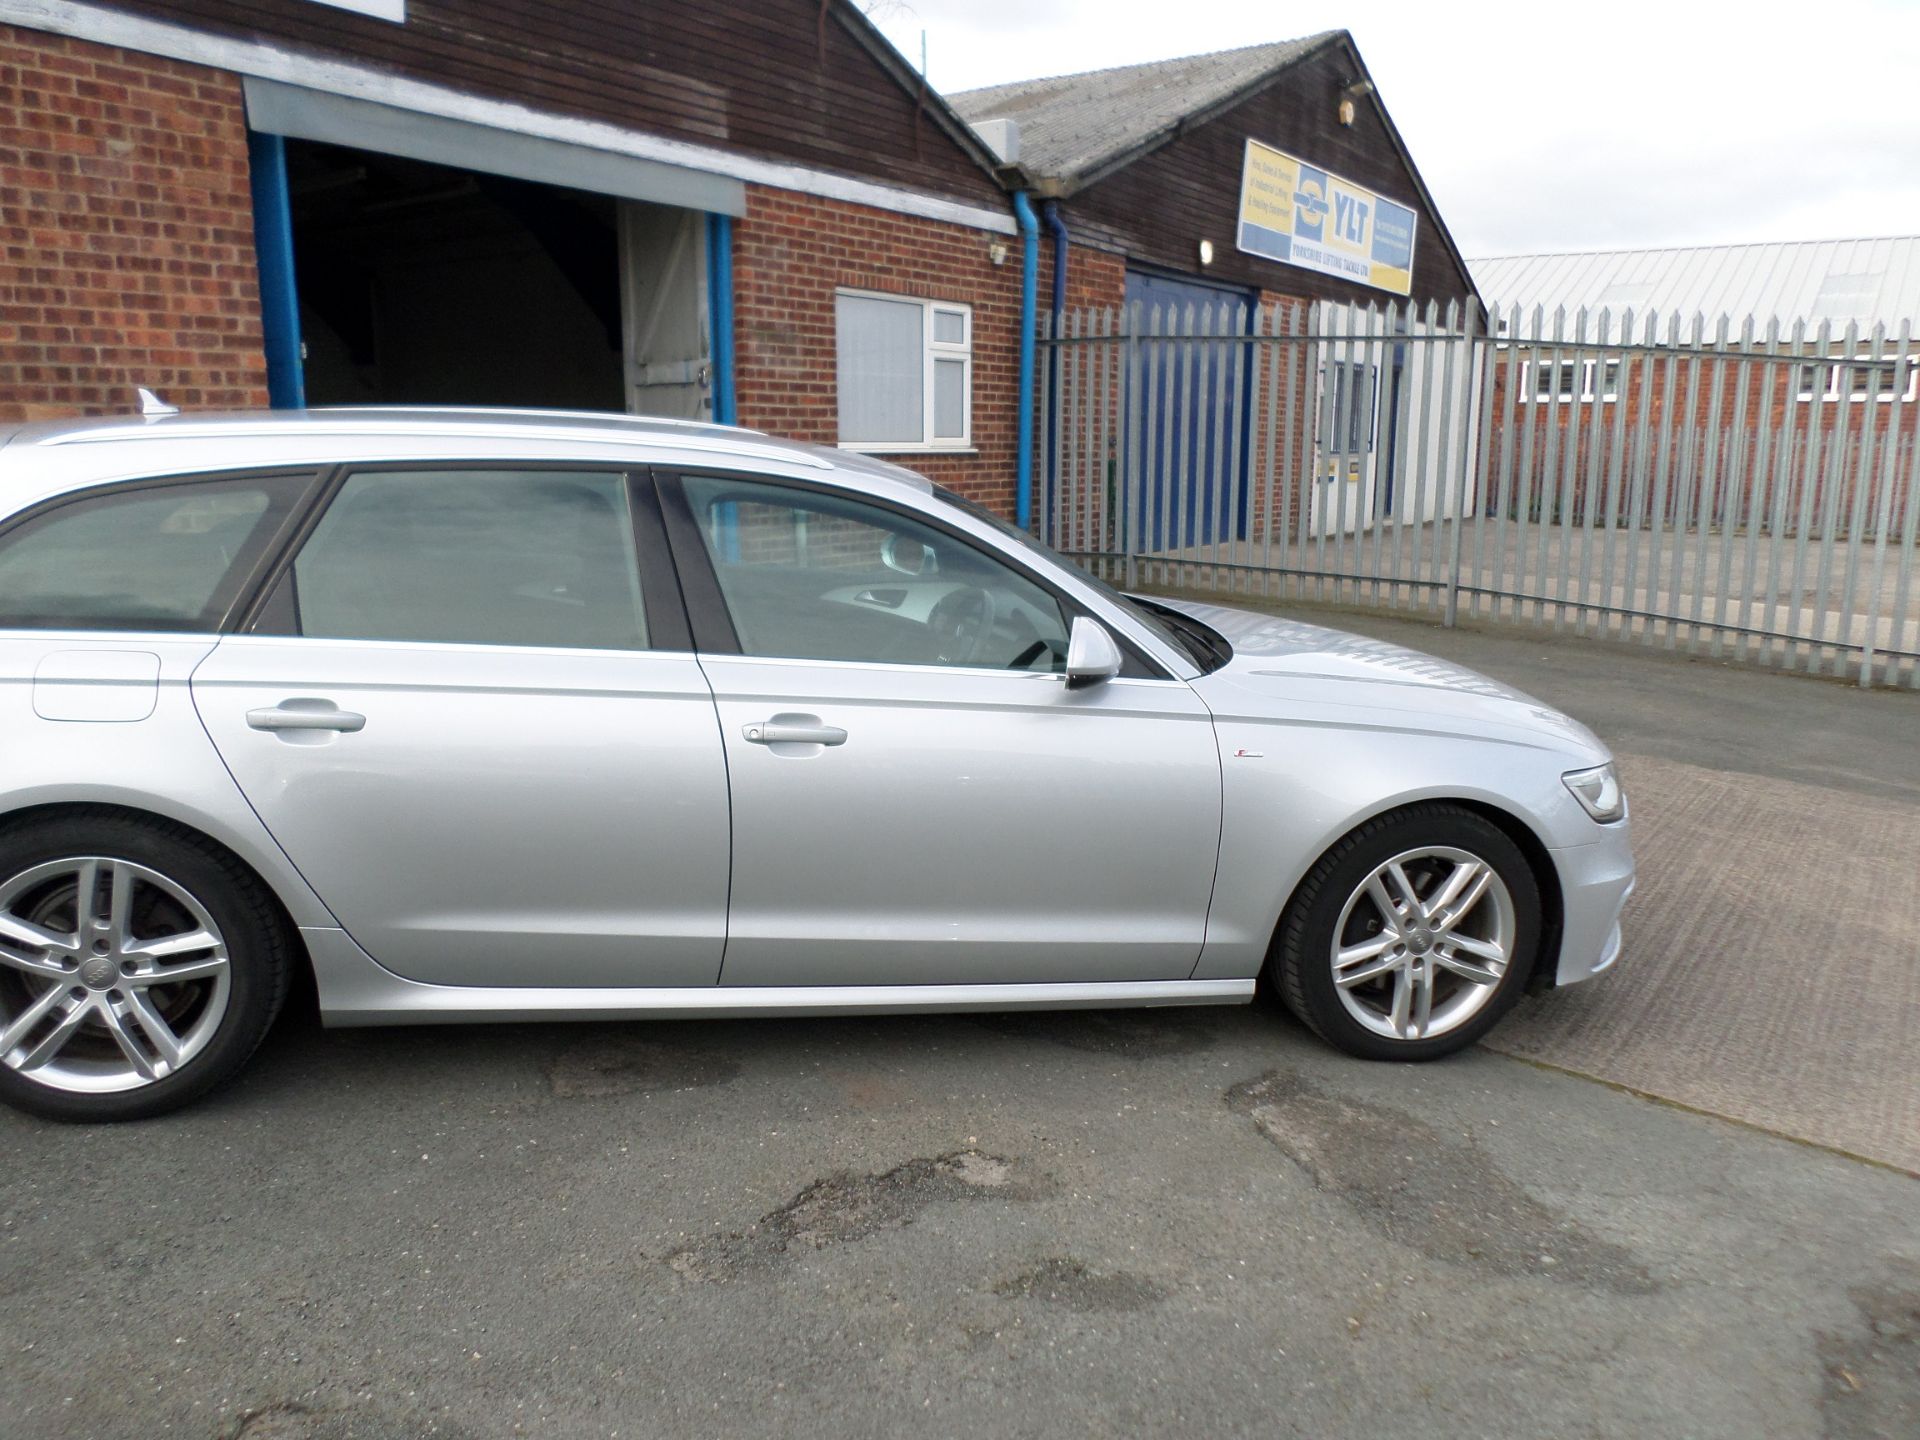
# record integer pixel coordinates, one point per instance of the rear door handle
(785, 732)
(306, 715)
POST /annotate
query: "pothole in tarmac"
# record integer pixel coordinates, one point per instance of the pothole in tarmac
(632, 1060)
(1143, 1034)
(1873, 1372)
(845, 1207)
(1436, 1193)
(1070, 1284)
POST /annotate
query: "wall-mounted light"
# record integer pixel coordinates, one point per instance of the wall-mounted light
(1206, 252)
(1350, 94)
(997, 252)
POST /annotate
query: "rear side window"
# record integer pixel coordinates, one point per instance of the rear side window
(163, 557)
(478, 557)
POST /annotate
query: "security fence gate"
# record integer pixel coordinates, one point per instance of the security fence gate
(1729, 490)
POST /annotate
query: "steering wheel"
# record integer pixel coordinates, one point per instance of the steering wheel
(962, 621)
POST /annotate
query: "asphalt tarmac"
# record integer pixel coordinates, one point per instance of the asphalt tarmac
(1186, 1223)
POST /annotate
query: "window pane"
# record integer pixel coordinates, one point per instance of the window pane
(1349, 413)
(817, 577)
(949, 399)
(882, 359)
(480, 557)
(166, 558)
(949, 327)
(1874, 380)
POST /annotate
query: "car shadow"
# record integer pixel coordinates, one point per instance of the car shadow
(518, 1063)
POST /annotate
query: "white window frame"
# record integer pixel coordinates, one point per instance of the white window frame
(1589, 368)
(1835, 368)
(931, 351)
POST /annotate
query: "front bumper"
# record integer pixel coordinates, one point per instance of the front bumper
(1595, 881)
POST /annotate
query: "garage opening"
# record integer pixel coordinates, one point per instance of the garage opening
(423, 283)
(410, 258)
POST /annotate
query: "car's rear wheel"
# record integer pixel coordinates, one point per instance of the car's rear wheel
(1412, 936)
(139, 967)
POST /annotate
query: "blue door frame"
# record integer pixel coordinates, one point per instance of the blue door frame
(273, 254)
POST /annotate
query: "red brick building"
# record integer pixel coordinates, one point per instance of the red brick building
(1746, 370)
(744, 212)
(658, 208)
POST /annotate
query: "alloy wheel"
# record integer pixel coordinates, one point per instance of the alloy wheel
(112, 975)
(1423, 943)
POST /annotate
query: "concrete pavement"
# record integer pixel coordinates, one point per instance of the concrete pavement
(1772, 969)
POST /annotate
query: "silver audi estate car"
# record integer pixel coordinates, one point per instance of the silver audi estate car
(513, 716)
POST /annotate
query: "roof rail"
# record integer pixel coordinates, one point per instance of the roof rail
(579, 426)
(598, 417)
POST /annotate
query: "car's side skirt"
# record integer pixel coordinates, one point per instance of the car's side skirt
(356, 990)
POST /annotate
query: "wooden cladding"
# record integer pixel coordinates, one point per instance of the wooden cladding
(1159, 208)
(787, 80)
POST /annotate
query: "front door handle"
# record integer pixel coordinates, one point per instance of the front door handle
(306, 715)
(788, 732)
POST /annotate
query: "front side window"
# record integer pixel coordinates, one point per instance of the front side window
(821, 577)
(904, 372)
(168, 557)
(478, 557)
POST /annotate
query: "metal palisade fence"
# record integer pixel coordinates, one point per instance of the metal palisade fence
(1741, 491)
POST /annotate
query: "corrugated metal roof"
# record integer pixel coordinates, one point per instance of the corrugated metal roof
(1071, 125)
(1865, 282)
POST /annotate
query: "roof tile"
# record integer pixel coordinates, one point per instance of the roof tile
(1071, 125)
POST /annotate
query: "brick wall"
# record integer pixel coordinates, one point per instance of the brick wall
(126, 232)
(791, 252)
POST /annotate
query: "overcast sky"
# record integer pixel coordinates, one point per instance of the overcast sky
(1544, 126)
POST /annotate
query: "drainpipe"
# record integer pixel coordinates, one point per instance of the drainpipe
(720, 315)
(1029, 283)
(273, 254)
(1057, 228)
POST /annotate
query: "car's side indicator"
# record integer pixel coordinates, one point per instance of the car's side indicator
(1249, 754)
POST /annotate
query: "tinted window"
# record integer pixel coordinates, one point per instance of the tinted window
(481, 557)
(818, 577)
(162, 557)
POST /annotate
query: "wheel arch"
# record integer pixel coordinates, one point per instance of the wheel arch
(1538, 857)
(107, 809)
(1545, 874)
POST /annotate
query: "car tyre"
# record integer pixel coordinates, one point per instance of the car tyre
(1385, 975)
(167, 992)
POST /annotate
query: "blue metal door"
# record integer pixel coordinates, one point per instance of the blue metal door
(1193, 434)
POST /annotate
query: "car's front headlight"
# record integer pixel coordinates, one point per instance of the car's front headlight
(1598, 791)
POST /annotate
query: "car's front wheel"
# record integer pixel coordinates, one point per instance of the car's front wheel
(139, 967)
(1412, 936)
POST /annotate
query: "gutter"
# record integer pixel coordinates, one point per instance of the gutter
(720, 315)
(1029, 306)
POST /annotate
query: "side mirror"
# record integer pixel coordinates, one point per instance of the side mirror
(908, 557)
(1091, 654)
